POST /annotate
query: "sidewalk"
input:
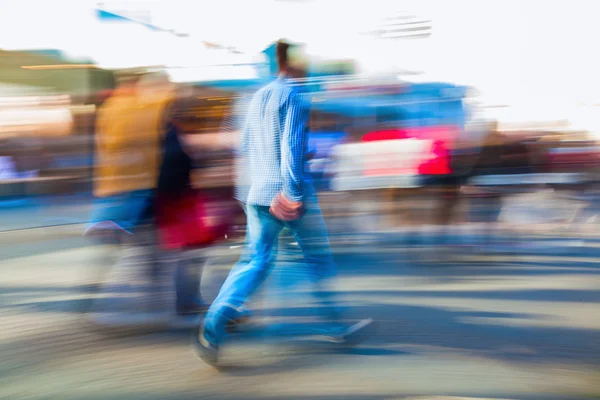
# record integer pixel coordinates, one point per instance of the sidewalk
(505, 331)
(43, 214)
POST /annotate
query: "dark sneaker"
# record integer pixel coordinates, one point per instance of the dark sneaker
(207, 351)
(352, 335)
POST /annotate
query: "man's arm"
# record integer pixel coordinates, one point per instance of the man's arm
(229, 135)
(293, 146)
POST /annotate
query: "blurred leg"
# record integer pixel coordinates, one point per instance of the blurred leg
(188, 275)
(106, 253)
(107, 237)
(244, 278)
(246, 257)
(120, 225)
(311, 233)
(446, 211)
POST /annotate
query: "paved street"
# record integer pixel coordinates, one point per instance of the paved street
(34, 212)
(477, 326)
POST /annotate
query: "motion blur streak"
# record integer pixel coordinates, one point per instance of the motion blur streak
(453, 149)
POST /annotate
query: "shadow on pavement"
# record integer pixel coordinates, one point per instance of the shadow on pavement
(348, 396)
(426, 328)
(403, 328)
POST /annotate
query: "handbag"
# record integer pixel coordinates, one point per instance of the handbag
(192, 219)
(186, 217)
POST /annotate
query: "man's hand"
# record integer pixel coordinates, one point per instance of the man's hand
(284, 209)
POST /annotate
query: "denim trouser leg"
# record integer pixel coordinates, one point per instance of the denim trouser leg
(310, 232)
(246, 257)
(245, 278)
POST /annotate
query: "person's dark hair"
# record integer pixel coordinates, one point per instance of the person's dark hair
(282, 54)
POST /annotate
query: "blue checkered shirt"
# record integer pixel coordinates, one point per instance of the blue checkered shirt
(272, 152)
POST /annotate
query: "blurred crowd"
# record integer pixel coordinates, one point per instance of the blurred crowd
(413, 154)
(190, 179)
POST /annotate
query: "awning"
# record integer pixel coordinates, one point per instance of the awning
(52, 74)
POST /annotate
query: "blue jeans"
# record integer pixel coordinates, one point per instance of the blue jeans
(247, 275)
(127, 210)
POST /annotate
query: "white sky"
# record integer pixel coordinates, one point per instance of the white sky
(516, 49)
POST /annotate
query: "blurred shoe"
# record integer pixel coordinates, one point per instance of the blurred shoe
(352, 335)
(104, 228)
(241, 319)
(207, 351)
(197, 307)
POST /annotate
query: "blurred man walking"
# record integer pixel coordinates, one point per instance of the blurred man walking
(279, 194)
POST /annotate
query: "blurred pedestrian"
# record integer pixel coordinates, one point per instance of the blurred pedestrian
(488, 201)
(129, 131)
(280, 194)
(173, 190)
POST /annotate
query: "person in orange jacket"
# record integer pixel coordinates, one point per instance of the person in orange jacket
(128, 139)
